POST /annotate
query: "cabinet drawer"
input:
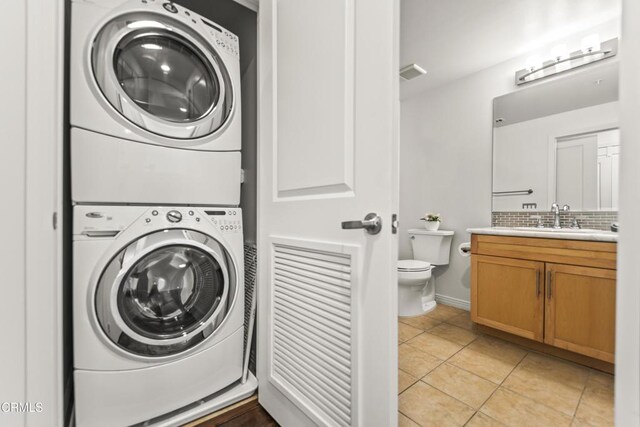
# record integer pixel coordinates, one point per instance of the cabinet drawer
(558, 251)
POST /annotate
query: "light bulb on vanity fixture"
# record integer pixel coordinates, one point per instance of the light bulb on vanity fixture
(560, 53)
(590, 43)
(533, 62)
(592, 50)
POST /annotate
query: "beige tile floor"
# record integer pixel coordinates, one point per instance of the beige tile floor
(450, 375)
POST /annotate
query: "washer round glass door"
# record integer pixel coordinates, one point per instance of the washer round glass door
(165, 293)
(162, 75)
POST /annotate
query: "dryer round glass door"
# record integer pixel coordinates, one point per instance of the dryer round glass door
(166, 77)
(161, 75)
(165, 293)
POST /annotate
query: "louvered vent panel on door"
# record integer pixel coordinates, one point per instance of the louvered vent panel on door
(311, 353)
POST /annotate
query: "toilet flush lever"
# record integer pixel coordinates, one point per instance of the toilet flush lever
(372, 223)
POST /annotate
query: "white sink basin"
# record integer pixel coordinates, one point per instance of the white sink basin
(549, 233)
(560, 230)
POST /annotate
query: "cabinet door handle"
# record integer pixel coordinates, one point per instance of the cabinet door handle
(549, 284)
(538, 283)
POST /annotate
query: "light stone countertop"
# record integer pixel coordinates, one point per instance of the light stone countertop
(548, 233)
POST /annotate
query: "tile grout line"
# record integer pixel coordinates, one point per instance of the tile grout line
(500, 385)
(473, 373)
(412, 384)
(581, 395)
(478, 335)
(410, 418)
(469, 372)
(538, 402)
(558, 359)
(475, 411)
(453, 397)
(442, 362)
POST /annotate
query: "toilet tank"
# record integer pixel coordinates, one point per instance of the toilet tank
(431, 246)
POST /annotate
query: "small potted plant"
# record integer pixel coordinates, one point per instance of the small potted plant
(431, 221)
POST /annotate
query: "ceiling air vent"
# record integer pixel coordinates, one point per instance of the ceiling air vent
(412, 71)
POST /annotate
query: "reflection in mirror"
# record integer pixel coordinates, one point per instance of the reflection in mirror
(558, 142)
(586, 170)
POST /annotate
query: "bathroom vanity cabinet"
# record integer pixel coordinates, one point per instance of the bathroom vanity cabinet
(558, 292)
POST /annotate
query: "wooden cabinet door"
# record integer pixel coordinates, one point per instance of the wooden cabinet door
(581, 310)
(507, 294)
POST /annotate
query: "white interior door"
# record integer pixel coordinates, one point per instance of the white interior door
(328, 152)
(577, 172)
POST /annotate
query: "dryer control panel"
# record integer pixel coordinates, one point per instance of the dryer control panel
(223, 39)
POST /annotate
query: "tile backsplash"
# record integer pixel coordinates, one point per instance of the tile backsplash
(599, 220)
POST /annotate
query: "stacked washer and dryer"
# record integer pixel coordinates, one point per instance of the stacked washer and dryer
(158, 292)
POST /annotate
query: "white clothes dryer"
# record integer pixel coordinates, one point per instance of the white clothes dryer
(158, 309)
(155, 105)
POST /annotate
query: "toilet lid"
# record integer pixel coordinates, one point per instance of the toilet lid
(413, 265)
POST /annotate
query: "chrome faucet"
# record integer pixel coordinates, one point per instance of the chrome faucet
(555, 208)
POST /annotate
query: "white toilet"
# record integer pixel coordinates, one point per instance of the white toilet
(416, 287)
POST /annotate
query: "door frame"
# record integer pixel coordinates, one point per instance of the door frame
(627, 384)
(40, 220)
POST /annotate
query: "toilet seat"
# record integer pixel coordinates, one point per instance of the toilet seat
(413, 265)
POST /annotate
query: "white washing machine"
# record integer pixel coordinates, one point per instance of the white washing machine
(158, 309)
(155, 105)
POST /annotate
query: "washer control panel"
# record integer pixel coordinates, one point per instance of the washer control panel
(227, 220)
(108, 221)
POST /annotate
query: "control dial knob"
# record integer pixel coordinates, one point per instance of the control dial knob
(174, 216)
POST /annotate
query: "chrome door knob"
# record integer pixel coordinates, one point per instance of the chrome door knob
(372, 223)
(174, 216)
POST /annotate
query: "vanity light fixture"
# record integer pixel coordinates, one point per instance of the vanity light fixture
(412, 71)
(559, 53)
(591, 51)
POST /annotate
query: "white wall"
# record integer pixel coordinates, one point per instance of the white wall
(627, 385)
(521, 152)
(445, 165)
(446, 158)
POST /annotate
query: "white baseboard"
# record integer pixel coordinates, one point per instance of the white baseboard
(454, 302)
